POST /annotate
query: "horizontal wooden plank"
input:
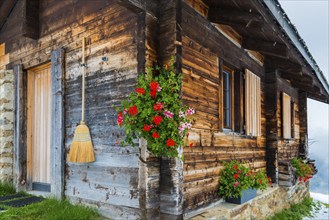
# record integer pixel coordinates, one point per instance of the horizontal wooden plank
(102, 193)
(114, 160)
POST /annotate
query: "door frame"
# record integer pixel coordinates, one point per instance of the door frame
(57, 147)
(46, 187)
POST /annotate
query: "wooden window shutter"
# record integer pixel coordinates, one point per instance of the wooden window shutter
(286, 115)
(252, 104)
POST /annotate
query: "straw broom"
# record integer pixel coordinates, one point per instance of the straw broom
(82, 150)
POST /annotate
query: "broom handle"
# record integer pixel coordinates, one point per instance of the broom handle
(83, 81)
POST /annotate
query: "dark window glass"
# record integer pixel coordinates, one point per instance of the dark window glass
(227, 99)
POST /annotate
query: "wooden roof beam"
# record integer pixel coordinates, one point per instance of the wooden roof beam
(5, 9)
(140, 6)
(307, 87)
(31, 19)
(285, 65)
(265, 47)
(235, 18)
(291, 76)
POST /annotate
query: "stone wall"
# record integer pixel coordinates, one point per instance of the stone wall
(263, 206)
(6, 124)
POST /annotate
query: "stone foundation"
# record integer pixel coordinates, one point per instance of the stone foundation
(6, 124)
(264, 205)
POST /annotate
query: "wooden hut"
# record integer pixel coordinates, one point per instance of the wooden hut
(246, 71)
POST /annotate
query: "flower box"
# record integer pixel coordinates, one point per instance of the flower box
(247, 195)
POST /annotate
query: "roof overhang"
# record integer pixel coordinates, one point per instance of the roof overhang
(265, 28)
(285, 24)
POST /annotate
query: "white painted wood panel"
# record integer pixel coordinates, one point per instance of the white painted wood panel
(39, 102)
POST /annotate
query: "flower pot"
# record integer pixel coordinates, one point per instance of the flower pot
(247, 195)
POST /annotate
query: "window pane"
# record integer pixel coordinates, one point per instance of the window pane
(227, 99)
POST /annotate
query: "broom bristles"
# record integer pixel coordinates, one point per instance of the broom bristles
(82, 150)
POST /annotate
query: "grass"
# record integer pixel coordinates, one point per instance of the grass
(326, 205)
(48, 209)
(297, 211)
(6, 189)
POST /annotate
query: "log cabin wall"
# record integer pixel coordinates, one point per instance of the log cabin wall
(112, 182)
(303, 146)
(205, 51)
(287, 148)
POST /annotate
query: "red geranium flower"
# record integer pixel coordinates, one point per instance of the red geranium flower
(147, 128)
(300, 178)
(191, 145)
(120, 118)
(157, 120)
(170, 143)
(260, 181)
(154, 86)
(133, 110)
(155, 135)
(140, 91)
(236, 176)
(235, 167)
(153, 93)
(158, 106)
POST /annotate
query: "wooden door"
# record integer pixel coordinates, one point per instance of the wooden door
(38, 127)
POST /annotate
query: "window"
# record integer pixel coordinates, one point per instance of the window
(252, 104)
(287, 116)
(227, 98)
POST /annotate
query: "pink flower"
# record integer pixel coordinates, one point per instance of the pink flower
(168, 114)
(125, 111)
(190, 111)
(181, 114)
(236, 184)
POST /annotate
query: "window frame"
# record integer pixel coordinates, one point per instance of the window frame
(230, 72)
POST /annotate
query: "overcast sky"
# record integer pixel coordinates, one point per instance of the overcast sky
(311, 19)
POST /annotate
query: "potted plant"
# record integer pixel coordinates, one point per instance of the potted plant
(303, 170)
(155, 112)
(239, 183)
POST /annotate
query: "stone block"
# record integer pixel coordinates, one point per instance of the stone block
(6, 124)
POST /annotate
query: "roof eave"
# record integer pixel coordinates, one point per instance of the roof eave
(278, 13)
